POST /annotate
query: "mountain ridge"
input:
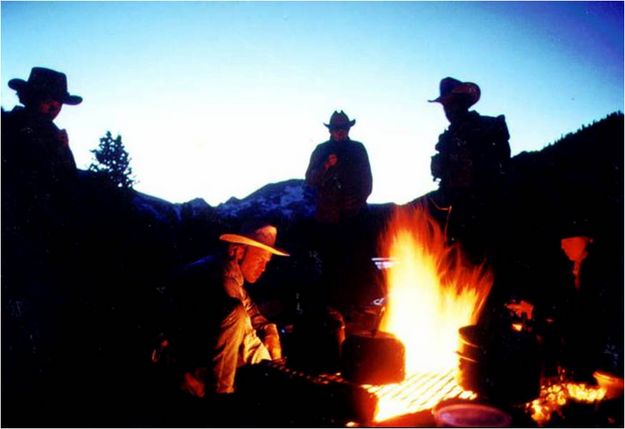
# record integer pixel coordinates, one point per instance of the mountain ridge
(292, 199)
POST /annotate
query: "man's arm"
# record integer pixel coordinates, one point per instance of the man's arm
(360, 177)
(321, 161)
(367, 176)
(267, 331)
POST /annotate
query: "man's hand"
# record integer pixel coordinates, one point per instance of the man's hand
(272, 342)
(331, 161)
(271, 339)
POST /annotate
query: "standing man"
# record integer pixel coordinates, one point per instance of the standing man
(38, 180)
(35, 152)
(219, 327)
(340, 173)
(474, 151)
(38, 167)
(471, 163)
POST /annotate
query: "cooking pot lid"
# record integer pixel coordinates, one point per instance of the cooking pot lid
(471, 415)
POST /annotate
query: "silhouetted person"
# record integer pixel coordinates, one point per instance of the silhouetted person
(471, 161)
(36, 157)
(474, 150)
(38, 169)
(340, 173)
(38, 180)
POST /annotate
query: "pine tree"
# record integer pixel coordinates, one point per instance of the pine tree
(113, 162)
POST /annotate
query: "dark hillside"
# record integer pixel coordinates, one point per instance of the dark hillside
(573, 187)
(581, 174)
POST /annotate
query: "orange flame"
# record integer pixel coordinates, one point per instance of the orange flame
(432, 290)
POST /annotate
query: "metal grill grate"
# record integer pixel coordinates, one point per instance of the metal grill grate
(419, 391)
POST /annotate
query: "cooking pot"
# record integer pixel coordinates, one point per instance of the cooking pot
(504, 366)
(373, 358)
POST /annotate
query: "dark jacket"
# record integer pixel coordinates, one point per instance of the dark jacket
(472, 152)
(342, 190)
(197, 304)
(38, 169)
(33, 150)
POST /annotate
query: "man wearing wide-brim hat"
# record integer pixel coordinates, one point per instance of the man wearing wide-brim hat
(474, 150)
(340, 173)
(35, 152)
(38, 174)
(471, 165)
(220, 327)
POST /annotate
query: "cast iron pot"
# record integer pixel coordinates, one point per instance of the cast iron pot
(504, 366)
(373, 358)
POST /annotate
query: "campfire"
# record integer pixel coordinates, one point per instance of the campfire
(432, 291)
(429, 327)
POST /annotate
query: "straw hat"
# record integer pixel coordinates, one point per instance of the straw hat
(263, 238)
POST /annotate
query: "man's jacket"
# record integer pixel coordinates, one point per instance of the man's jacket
(472, 151)
(342, 190)
(33, 152)
(208, 296)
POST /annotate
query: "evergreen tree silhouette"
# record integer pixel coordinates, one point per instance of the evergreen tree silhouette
(113, 161)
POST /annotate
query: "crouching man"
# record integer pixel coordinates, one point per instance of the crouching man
(219, 328)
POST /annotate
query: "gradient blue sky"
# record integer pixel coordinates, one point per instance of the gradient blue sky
(216, 99)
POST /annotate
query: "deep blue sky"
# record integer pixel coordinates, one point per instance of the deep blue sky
(216, 99)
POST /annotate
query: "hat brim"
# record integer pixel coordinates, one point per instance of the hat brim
(465, 89)
(241, 239)
(72, 100)
(17, 84)
(350, 124)
(436, 100)
(20, 85)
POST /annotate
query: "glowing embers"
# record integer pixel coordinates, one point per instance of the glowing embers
(583, 393)
(554, 396)
(420, 391)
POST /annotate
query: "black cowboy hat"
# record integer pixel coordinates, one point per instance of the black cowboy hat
(46, 82)
(340, 120)
(451, 88)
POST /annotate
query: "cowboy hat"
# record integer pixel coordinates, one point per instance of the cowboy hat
(47, 82)
(339, 120)
(263, 238)
(451, 88)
